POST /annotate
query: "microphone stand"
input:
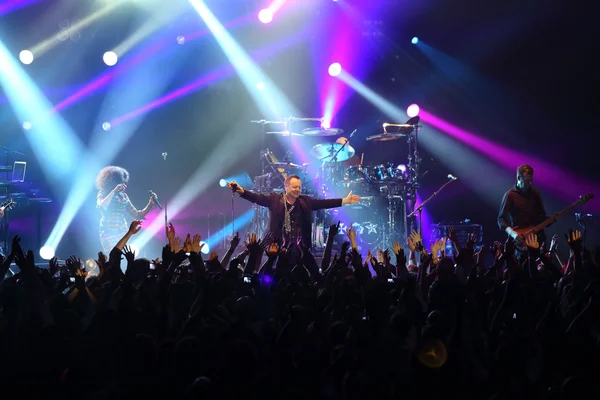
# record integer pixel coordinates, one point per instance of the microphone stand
(420, 208)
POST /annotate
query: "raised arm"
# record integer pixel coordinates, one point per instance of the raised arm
(256, 198)
(134, 212)
(319, 204)
(104, 201)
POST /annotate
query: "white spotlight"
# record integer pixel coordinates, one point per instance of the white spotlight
(106, 126)
(205, 249)
(26, 57)
(110, 58)
(265, 16)
(222, 183)
(335, 69)
(27, 125)
(47, 252)
(260, 86)
(412, 110)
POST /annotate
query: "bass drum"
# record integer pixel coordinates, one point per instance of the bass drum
(366, 221)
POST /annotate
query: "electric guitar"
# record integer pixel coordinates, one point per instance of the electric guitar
(523, 232)
(7, 205)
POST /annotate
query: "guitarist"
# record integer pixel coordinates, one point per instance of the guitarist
(522, 205)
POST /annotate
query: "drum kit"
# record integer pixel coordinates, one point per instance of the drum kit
(388, 190)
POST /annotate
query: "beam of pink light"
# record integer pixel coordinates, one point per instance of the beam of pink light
(176, 94)
(276, 5)
(219, 73)
(105, 78)
(14, 5)
(550, 176)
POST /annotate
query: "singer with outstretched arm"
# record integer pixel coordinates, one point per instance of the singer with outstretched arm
(113, 203)
(290, 212)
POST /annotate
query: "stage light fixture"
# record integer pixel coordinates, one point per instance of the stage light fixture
(335, 69)
(106, 126)
(180, 39)
(265, 16)
(26, 57)
(27, 125)
(46, 252)
(412, 110)
(415, 40)
(110, 58)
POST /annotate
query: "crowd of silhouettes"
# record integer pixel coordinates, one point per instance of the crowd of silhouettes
(268, 320)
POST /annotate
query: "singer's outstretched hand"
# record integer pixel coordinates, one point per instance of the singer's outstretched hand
(235, 187)
(351, 199)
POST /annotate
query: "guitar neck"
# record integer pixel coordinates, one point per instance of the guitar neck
(553, 218)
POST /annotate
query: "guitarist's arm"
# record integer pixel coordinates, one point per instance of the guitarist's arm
(504, 216)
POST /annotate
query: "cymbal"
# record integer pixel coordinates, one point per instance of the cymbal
(285, 133)
(322, 132)
(413, 121)
(326, 152)
(286, 165)
(385, 136)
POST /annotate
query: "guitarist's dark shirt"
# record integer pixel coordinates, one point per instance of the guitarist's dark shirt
(521, 209)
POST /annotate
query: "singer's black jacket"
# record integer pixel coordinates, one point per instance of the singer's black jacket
(274, 202)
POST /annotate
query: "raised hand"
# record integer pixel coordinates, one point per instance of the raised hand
(273, 250)
(471, 239)
(53, 266)
(411, 243)
(170, 233)
(235, 241)
(351, 233)
(451, 235)
(196, 245)
(386, 257)
(176, 244)
(252, 239)
(532, 241)
(121, 187)
(498, 249)
(574, 239)
(129, 254)
(73, 265)
(553, 244)
(135, 227)
(233, 184)
(187, 244)
(334, 229)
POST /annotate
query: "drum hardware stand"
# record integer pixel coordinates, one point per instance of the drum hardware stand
(582, 220)
(410, 194)
(420, 208)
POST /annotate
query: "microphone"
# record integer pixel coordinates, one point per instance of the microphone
(353, 132)
(450, 176)
(155, 198)
(234, 187)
